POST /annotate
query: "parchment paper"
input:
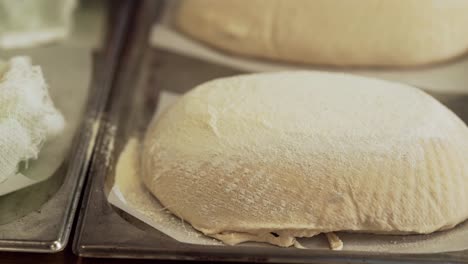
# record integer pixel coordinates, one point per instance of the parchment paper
(129, 194)
(449, 78)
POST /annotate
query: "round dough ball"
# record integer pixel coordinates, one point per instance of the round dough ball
(301, 153)
(332, 32)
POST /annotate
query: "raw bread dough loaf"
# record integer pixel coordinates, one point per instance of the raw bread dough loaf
(332, 32)
(301, 153)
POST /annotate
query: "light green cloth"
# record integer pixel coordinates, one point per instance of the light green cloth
(25, 23)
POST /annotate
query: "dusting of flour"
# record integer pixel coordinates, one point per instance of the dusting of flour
(130, 195)
(136, 200)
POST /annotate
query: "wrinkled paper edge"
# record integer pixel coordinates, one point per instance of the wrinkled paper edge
(190, 236)
(165, 221)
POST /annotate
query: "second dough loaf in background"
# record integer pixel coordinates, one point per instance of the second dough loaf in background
(332, 32)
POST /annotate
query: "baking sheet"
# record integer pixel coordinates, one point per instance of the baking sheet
(105, 230)
(35, 218)
(67, 77)
(129, 194)
(108, 231)
(450, 77)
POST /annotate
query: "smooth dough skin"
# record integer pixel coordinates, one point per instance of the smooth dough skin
(301, 153)
(332, 32)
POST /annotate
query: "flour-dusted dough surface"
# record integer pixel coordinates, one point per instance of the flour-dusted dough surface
(301, 153)
(332, 32)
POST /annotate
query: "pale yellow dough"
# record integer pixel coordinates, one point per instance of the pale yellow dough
(302, 153)
(332, 32)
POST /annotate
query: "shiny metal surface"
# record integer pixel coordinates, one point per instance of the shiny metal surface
(39, 218)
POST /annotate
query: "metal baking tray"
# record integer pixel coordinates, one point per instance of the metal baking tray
(39, 218)
(105, 231)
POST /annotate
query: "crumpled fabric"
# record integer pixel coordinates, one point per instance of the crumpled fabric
(28, 116)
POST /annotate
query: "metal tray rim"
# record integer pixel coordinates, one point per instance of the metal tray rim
(79, 157)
